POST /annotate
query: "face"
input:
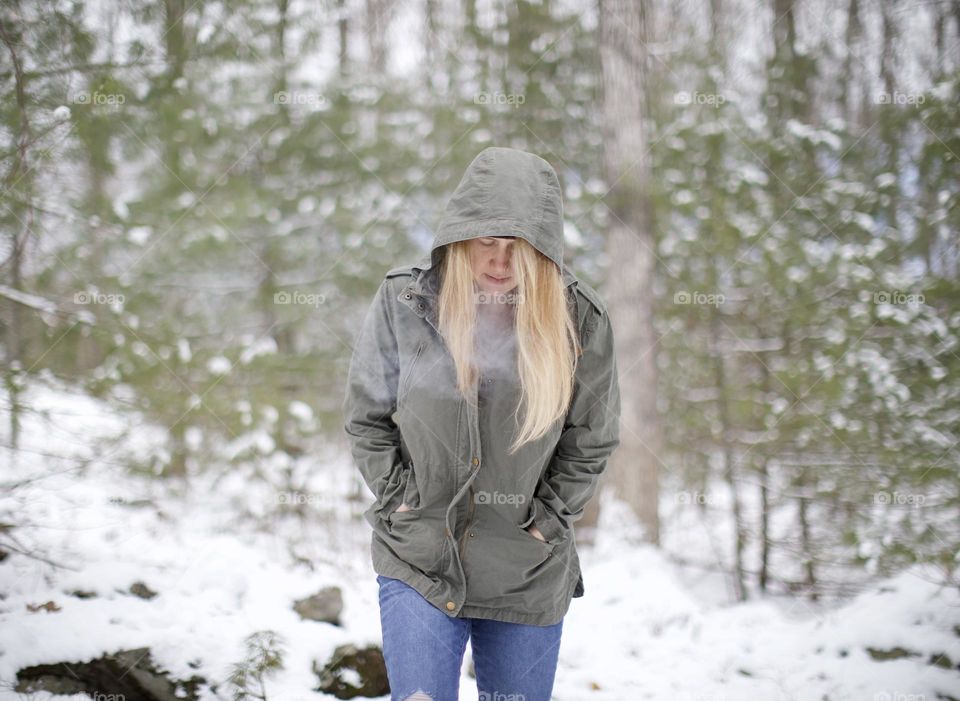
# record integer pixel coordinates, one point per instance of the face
(491, 258)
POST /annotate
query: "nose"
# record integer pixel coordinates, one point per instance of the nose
(501, 259)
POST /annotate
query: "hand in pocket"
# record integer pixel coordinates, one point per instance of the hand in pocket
(535, 532)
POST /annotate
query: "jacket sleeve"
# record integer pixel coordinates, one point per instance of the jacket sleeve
(371, 399)
(590, 434)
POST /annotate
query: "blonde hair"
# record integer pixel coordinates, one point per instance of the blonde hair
(548, 344)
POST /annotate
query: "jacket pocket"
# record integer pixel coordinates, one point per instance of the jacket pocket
(505, 564)
(417, 538)
(531, 536)
(392, 494)
(410, 494)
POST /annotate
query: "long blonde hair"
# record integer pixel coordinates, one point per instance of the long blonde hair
(548, 344)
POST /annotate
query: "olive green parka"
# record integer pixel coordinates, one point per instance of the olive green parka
(416, 440)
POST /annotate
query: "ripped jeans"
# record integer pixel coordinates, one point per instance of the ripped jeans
(423, 649)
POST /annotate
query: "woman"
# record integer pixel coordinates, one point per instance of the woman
(482, 405)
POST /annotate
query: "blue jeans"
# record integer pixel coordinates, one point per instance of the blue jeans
(423, 649)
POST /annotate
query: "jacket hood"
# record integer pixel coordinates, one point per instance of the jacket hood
(505, 192)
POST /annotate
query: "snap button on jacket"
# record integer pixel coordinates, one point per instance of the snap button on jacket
(415, 439)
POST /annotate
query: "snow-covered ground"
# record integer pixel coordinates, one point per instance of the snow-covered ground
(646, 629)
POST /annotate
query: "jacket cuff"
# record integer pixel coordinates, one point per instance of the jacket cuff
(545, 520)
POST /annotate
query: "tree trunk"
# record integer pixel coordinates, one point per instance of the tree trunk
(19, 181)
(377, 21)
(729, 466)
(343, 29)
(635, 468)
(853, 109)
(889, 129)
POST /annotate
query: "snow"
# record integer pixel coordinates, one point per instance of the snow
(46, 307)
(219, 365)
(813, 135)
(572, 236)
(885, 180)
(302, 411)
(751, 174)
(647, 628)
(256, 347)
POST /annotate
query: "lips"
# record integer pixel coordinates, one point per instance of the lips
(497, 279)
